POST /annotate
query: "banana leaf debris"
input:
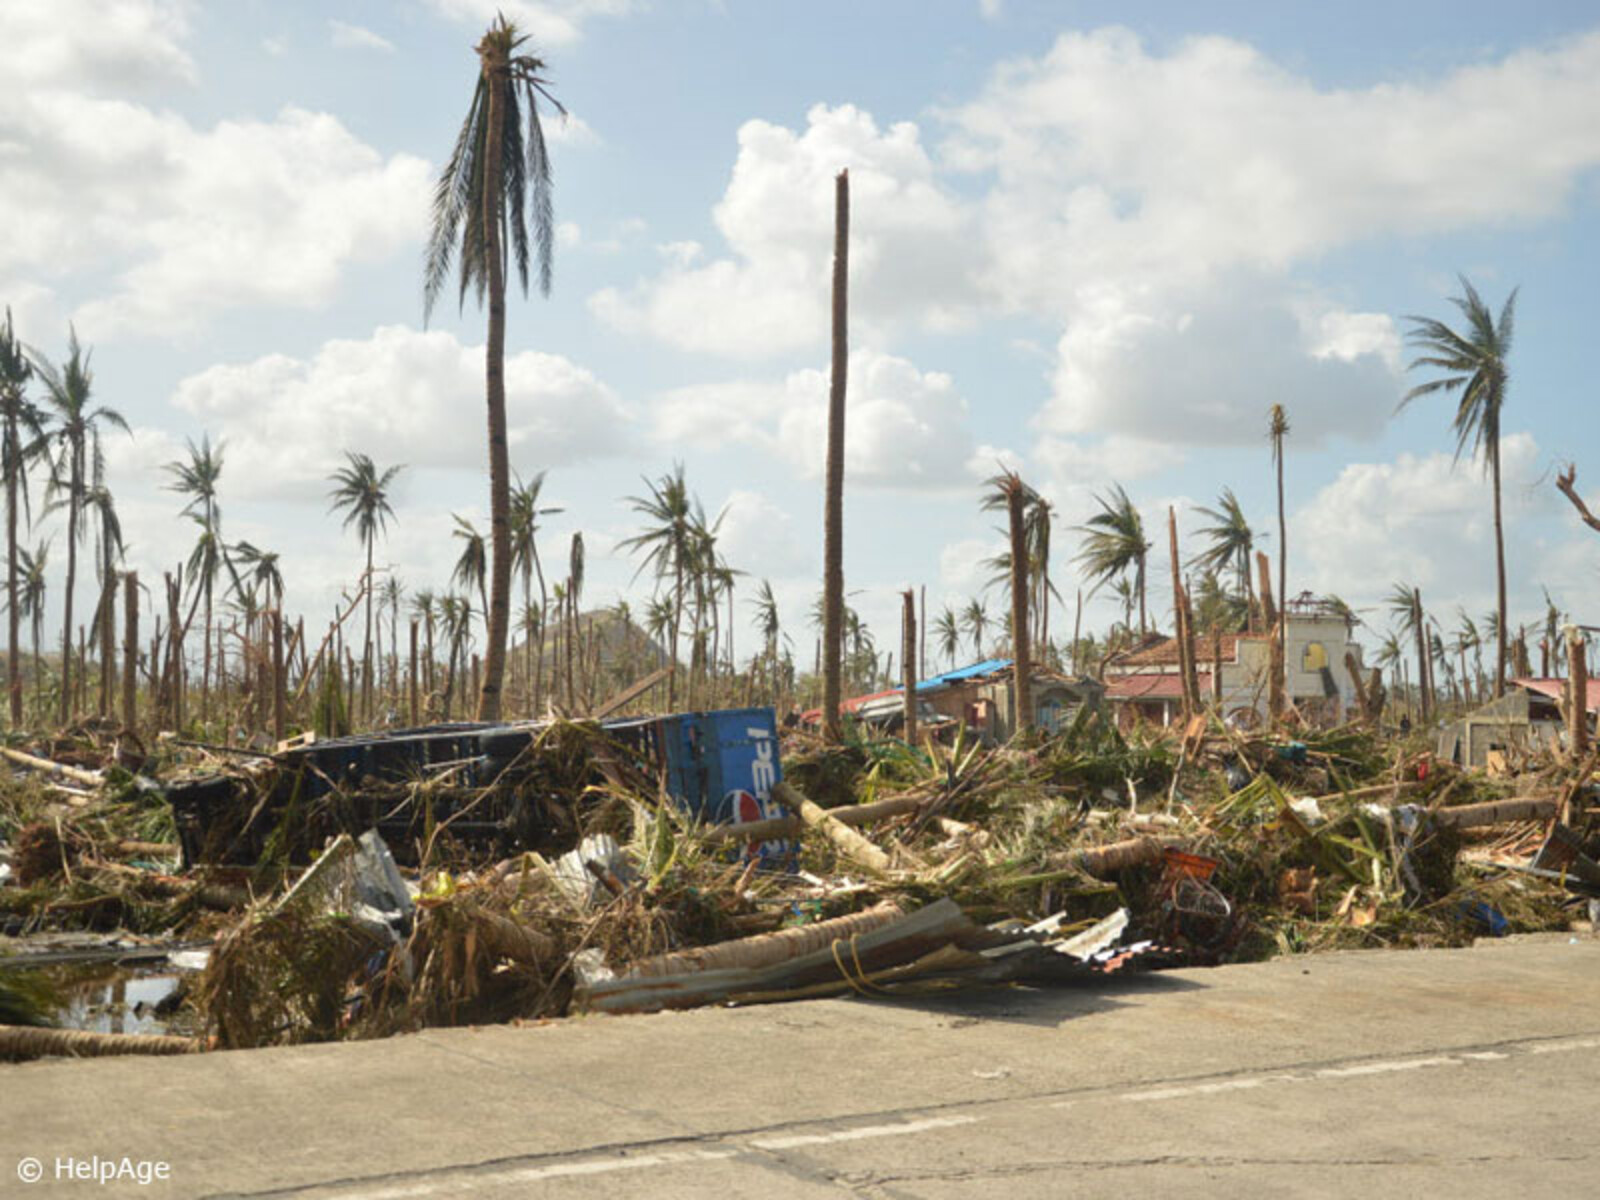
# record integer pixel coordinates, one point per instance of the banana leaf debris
(363, 887)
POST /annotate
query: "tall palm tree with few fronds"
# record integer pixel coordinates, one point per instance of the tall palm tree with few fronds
(424, 608)
(75, 438)
(102, 506)
(769, 626)
(471, 571)
(480, 221)
(1114, 544)
(1405, 604)
(669, 546)
(21, 440)
(1473, 364)
(196, 478)
(1232, 544)
(361, 492)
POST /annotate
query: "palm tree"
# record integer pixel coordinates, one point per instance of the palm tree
(472, 568)
(668, 546)
(262, 571)
(361, 492)
(1232, 545)
(482, 196)
(947, 629)
(35, 564)
(1038, 519)
(1467, 638)
(108, 542)
(424, 608)
(391, 596)
(525, 516)
(767, 625)
(1113, 543)
(1405, 603)
(976, 620)
(23, 434)
(76, 437)
(1473, 364)
(197, 479)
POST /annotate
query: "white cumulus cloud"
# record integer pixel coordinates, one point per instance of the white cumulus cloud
(399, 396)
(911, 243)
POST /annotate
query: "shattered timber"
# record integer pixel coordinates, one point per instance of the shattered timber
(365, 886)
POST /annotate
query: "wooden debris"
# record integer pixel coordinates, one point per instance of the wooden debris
(849, 843)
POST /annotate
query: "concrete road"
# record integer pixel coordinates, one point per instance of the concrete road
(1443, 1073)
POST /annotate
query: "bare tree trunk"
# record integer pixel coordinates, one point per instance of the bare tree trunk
(13, 457)
(1021, 651)
(76, 483)
(130, 651)
(1499, 572)
(1578, 689)
(833, 516)
(908, 655)
(1180, 628)
(416, 717)
(280, 684)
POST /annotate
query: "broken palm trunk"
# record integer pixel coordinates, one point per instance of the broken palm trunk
(882, 951)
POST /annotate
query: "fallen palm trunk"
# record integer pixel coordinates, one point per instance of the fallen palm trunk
(846, 955)
(850, 843)
(769, 949)
(1496, 812)
(21, 1042)
(1103, 861)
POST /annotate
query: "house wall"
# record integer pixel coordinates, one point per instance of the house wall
(1311, 642)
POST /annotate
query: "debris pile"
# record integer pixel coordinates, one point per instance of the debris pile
(466, 874)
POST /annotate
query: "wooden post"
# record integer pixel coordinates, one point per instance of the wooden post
(416, 717)
(833, 514)
(280, 684)
(130, 651)
(1021, 651)
(1578, 690)
(908, 652)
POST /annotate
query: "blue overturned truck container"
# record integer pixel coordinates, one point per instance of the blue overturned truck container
(719, 766)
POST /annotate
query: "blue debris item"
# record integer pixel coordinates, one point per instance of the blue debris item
(1486, 915)
(1294, 752)
(720, 767)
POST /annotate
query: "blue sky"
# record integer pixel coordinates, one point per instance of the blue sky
(1092, 241)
